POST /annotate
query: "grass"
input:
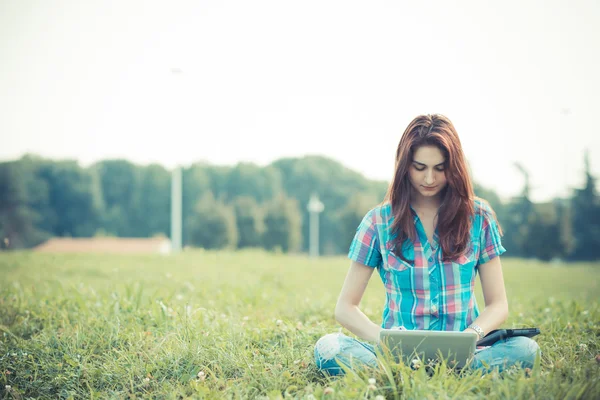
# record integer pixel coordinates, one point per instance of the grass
(243, 325)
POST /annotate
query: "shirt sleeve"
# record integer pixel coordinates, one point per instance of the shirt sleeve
(365, 245)
(490, 239)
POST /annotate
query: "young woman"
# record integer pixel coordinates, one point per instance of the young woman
(428, 240)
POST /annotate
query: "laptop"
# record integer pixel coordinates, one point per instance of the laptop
(457, 348)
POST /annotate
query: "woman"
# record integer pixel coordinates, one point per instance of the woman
(428, 240)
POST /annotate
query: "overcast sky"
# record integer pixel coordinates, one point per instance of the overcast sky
(176, 82)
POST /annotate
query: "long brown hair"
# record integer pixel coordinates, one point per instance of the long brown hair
(457, 207)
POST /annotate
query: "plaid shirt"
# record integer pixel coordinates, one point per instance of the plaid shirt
(430, 293)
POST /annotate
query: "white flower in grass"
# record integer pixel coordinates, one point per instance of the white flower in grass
(201, 375)
(329, 390)
(546, 310)
(278, 322)
(246, 318)
(179, 297)
(379, 397)
(372, 381)
(311, 397)
(585, 312)
(8, 388)
(582, 346)
(416, 363)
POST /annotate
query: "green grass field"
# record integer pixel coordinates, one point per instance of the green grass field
(243, 325)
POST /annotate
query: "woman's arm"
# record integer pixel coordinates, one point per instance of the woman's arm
(347, 312)
(494, 294)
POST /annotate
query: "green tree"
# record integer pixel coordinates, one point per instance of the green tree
(520, 216)
(350, 217)
(154, 201)
(212, 226)
(247, 179)
(17, 219)
(283, 225)
(335, 185)
(71, 197)
(250, 223)
(585, 211)
(532, 230)
(196, 182)
(119, 181)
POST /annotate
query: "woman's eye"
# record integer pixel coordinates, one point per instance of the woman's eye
(420, 169)
(440, 169)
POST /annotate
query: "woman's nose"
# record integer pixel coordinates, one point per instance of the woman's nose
(429, 178)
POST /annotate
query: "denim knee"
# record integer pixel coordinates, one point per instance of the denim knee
(327, 347)
(519, 350)
(335, 349)
(527, 348)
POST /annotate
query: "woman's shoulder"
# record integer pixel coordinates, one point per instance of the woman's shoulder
(484, 213)
(379, 214)
(482, 207)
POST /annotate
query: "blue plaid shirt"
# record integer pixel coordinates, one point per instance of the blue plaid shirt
(429, 293)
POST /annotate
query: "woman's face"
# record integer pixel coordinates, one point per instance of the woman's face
(426, 172)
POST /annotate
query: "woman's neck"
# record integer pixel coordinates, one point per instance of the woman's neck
(419, 202)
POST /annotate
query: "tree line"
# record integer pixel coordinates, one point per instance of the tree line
(247, 205)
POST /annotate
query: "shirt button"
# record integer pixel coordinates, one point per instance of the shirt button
(434, 308)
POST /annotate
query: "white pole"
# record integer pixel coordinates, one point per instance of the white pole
(314, 208)
(176, 216)
(176, 178)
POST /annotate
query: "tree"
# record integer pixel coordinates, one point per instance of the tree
(119, 182)
(17, 229)
(585, 211)
(283, 225)
(335, 185)
(154, 201)
(250, 224)
(350, 217)
(250, 180)
(71, 197)
(212, 225)
(519, 217)
(532, 230)
(196, 182)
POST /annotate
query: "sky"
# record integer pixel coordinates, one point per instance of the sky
(224, 82)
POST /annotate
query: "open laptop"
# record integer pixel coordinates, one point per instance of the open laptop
(457, 348)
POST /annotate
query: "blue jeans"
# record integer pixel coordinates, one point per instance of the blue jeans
(336, 348)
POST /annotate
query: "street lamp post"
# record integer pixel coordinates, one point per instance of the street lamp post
(176, 214)
(314, 208)
(176, 191)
